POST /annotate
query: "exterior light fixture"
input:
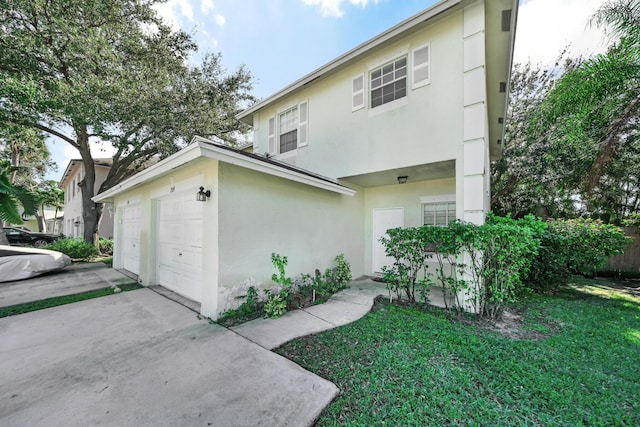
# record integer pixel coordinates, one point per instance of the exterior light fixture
(76, 223)
(402, 179)
(203, 195)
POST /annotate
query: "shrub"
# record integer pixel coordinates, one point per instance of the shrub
(276, 304)
(338, 277)
(408, 272)
(76, 249)
(573, 246)
(105, 246)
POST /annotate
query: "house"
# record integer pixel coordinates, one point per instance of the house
(73, 225)
(398, 131)
(53, 220)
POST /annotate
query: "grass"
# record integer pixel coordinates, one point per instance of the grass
(61, 300)
(403, 366)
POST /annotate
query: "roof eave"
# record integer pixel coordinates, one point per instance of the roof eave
(427, 14)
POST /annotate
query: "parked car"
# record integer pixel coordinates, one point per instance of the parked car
(18, 236)
(22, 263)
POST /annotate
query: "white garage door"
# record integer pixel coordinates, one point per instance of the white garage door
(383, 220)
(131, 238)
(179, 251)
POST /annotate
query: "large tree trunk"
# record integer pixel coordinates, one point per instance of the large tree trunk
(90, 211)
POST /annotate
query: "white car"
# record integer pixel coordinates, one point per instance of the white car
(21, 263)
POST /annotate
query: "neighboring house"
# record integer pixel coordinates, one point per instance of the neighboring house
(73, 225)
(53, 220)
(396, 132)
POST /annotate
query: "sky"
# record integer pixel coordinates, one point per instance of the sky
(279, 41)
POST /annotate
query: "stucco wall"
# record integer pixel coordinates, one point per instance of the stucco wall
(260, 214)
(427, 129)
(405, 196)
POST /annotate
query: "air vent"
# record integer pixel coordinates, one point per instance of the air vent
(503, 87)
(506, 20)
(500, 120)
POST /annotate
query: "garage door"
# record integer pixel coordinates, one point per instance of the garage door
(179, 251)
(131, 239)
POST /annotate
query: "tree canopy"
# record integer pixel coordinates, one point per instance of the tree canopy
(112, 71)
(572, 143)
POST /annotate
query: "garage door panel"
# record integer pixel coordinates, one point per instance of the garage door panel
(131, 223)
(179, 249)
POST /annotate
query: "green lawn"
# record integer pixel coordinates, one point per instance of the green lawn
(579, 364)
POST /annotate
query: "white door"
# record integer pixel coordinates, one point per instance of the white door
(179, 250)
(130, 250)
(383, 220)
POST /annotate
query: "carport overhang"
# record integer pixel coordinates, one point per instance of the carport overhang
(204, 148)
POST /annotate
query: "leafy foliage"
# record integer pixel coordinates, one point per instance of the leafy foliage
(578, 246)
(105, 246)
(76, 249)
(408, 273)
(12, 197)
(112, 71)
(572, 141)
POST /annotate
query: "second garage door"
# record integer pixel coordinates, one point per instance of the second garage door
(179, 251)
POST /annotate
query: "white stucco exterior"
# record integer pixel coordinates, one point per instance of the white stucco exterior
(73, 225)
(327, 159)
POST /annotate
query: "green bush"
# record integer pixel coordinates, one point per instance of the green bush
(105, 246)
(276, 305)
(76, 249)
(338, 277)
(573, 246)
(408, 273)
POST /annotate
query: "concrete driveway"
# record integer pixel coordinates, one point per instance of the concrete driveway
(138, 359)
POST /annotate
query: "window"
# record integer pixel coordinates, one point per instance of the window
(389, 82)
(293, 125)
(438, 214)
(289, 130)
(420, 70)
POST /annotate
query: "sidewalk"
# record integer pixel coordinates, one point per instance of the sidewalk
(344, 307)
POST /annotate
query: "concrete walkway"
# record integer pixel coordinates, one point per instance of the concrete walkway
(344, 307)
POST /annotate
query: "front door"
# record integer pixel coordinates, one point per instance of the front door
(383, 220)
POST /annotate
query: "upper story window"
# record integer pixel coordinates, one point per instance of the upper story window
(291, 129)
(389, 82)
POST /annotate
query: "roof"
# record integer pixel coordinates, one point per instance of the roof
(204, 148)
(353, 55)
(73, 163)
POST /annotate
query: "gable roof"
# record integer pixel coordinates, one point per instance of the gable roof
(353, 55)
(202, 147)
(73, 164)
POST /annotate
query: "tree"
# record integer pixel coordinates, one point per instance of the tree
(111, 70)
(48, 194)
(572, 143)
(25, 148)
(11, 198)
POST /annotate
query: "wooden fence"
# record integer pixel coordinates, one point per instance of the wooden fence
(630, 259)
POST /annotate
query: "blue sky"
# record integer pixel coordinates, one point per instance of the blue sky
(280, 41)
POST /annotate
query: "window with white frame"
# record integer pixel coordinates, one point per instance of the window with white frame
(292, 129)
(388, 82)
(438, 213)
(288, 122)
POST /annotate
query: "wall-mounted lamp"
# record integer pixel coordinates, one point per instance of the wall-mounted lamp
(76, 223)
(203, 195)
(402, 179)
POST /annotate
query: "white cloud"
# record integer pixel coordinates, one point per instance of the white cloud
(206, 6)
(545, 27)
(220, 20)
(331, 8)
(169, 12)
(99, 149)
